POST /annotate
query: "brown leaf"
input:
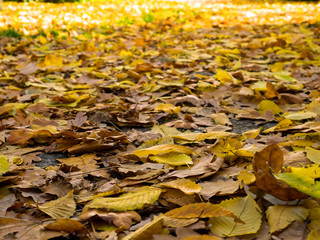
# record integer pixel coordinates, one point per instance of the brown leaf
(29, 68)
(200, 210)
(271, 91)
(268, 160)
(20, 136)
(122, 219)
(80, 119)
(67, 225)
(220, 188)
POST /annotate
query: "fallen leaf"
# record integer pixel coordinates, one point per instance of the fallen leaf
(4, 165)
(185, 185)
(162, 149)
(174, 159)
(129, 201)
(281, 216)
(124, 219)
(268, 160)
(63, 207)
(67, 225)
(146, 232)
(200, 210)
(245, 209)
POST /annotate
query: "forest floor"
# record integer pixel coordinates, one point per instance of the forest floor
(160, 120)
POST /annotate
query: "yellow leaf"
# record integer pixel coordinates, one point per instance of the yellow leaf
(313, 155)
(205, 86)
(314, 106)
(214, 135)
(312, 171)
(201, 210)
(52, 129)
(178, 222)
(224, 76)
(174, 159)
(303, 179)
(252, 134)
(167, 107)
(314, 213)
(277, 67)
(284, 123)
(53, 60)
(162, 149)
(247, 177)
(221, 119)
(259, 86)
(247, 152)
(201, 237)
(125, 54)
(244, 208)
(284, 77)
(165, 131)
(8, 108)
(237, 65)
(184, 185)
(146, 232)
(300, 115)
(63, 207)
(4, 165)
(130, 201)
(269, 105)
(314, 235)
(281, 216)
(42, 39)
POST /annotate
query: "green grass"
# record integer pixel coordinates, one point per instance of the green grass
(10, 32)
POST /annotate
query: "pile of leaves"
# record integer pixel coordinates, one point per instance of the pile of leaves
(177, 120)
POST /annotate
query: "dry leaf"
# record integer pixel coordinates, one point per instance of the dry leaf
(63, 207)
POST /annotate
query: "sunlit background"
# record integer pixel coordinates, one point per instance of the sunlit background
(31, 17)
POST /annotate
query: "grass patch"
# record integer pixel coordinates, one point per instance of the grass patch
(10, 32)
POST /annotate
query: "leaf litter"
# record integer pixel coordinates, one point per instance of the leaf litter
(159, 120)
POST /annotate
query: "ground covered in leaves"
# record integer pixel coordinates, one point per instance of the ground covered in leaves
(160, 120)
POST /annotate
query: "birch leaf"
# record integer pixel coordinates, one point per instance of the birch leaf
(184, 185)
(280, 216)
(63, 207)
(303, 179)
(162, 149)
(201, 210)
(4, 165)
(174, 159)
(244, 208)
(313, 155)
(129, 201)
(146, 232)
